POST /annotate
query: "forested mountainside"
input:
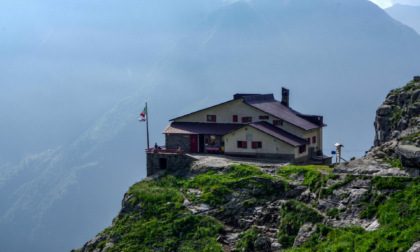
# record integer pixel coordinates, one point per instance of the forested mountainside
(367, 204)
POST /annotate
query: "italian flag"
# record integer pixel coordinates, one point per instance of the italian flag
(143, 115)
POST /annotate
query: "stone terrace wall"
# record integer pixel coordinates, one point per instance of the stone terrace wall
(157, 162)
(174, 141)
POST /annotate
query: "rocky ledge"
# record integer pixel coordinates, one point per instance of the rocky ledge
(243, 207)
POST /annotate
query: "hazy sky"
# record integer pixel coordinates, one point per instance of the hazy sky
(388, 3)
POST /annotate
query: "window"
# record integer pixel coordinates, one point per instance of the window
(212, 140)
(314, 139)
(242, 144)
(235, 118)
(264, 117)
(246, 119)
(309, 140)
(211, 118)
(302, 149)
(278, 122)
(256, 145)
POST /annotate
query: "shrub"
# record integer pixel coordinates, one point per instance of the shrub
(333, 213)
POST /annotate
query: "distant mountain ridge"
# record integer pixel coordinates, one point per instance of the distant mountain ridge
(406, 14)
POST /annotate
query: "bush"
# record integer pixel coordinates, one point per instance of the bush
(333, 213)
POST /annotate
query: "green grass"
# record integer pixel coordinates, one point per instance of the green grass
(215, 187)
(372, 208)
(329, 191)
(163, 222)
(391, 182)
(313, 177)
(333, 213)
(412, 137)
(246, 240)
(293, 215)
(410, 85)
(399, 217)
(396, 162)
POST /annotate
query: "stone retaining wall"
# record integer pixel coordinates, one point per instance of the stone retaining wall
(174, 141)
(162, 161)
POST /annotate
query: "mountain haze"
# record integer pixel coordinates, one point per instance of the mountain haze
(338, 58)
(406, 14)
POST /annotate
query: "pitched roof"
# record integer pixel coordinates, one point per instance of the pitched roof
(201, 128)
(279, 133)
(268, 104)
(201, 110)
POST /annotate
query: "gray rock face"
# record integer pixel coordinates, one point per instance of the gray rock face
(397, 138)
(409, 155)
(384, 110)
(373, 226)
(415, 247)
(305, 232)
(398, 113)
(262, 244)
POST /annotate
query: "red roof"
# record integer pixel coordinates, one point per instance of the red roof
(201, 128)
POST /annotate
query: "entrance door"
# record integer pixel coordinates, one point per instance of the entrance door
(194, 143)
(200, 143)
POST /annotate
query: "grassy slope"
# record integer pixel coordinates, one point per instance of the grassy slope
(399, 217)
(163, 222)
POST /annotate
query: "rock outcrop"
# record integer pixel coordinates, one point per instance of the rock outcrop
(397, 125)
(399, 114)
(396, 150)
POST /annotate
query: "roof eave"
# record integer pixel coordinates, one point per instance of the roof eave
(276, 137)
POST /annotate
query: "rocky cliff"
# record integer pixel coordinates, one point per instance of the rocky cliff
(396, 149)
(397, 125)
(367, 204)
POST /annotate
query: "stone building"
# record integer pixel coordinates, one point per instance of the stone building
(249, 125)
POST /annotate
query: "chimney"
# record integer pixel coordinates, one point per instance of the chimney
(285, 96)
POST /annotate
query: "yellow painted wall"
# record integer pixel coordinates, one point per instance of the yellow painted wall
(224, 113)
(312, 133)
(270, 145)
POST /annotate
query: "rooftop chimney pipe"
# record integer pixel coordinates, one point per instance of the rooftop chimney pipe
(285, 96)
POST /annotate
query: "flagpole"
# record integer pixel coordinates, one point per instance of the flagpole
(147, 126)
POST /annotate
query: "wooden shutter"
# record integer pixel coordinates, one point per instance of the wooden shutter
(254, 145)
